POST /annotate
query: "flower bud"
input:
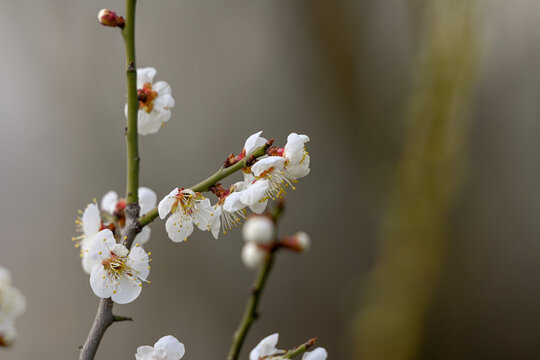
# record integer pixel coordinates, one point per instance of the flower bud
(7, 337)
(252, 255)
(299, 242)
(258, 229)
(109, 18)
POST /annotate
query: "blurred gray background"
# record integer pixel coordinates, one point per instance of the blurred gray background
(339, 71)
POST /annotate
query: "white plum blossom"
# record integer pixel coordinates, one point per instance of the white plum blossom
(89, 224)
(155, 102)
(166, 348)
(259, 229)
(188, 208)
(12, 304)
(266, 348)
(253, 255)
(271, 181)
(317, 354)
(112, 204)
(237, 197)
(118, 272)
(297, 164)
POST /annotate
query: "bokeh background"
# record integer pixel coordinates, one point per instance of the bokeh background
(422, 202)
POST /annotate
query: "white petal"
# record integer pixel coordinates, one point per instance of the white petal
(255, 192)
(253, 142)
(178, 229)
(102, 244)
(148, 123)
(276, 162)
(144, 353)
(205, 215)
(317, 354)
(145, 75)
(109, 201)
(215, 225)
(98, 283)
(138, 261)
(165, 205)
(5, 276)
(143, 237)
(233, 203)
(162, 88)
(126, 291)
(147, 199)
(259, 207)
(91, 220)
(87, 261)
(300, 170)
(164, 102)
(174, 349)
(266, 347)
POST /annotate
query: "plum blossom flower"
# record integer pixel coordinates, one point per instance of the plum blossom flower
(187, 208)
(297, 164)
(89, 224)
(258, 229)
(118, 272)
(155, 102)
(115, 206)
(317, 354)
(166, 348)
(266, 348)
(271, 181)
(12, 304)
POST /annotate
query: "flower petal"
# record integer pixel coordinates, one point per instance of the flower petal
(165, 205)
(253, 142)
(255, 192)
(109, 201)
(127, 290)
(178, 229)
(98, 282)
(91, 220)
(145, 75)
(162, 88)
(138, 261)
(317, 354)
(147, 199)
(102, 244)
(143, 237)
(276, 162)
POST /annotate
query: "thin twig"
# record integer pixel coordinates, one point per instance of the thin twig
(104, 317)
(251, 311)
(300, 349)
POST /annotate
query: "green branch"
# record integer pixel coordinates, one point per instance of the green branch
(300, 349)
(133, 106)
(207, 183)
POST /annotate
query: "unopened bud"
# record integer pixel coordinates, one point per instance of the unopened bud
(252, 255)
(109, 18)
(7, 337)
(258, 229)
(299, 242)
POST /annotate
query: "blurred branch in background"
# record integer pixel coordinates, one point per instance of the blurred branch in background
(414, 229)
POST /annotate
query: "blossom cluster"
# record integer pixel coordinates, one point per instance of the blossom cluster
(12, 304)
(115, 271)
(269, 177)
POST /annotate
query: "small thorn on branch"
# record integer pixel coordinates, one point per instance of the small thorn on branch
(118, 318)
